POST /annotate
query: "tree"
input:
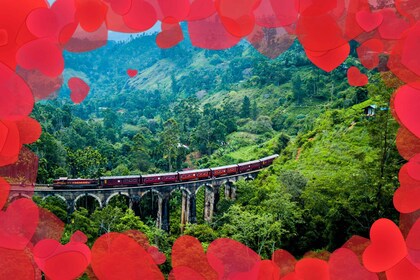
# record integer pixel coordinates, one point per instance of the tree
(169, 140)
(86, 162)
(254, 110)
(246, 107)
(298, 93)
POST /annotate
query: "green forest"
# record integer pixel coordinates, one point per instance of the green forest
(194, 108)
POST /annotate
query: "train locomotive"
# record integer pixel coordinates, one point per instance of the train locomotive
(163, 178)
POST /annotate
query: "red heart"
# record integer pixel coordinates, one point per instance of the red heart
(91, 14)
(44, 55)
(345, 265)
(406, 199)
(201, 9)
(49, 227)
(406, 104)
(284, 260)
(368, 21)
(4, 38)
(387, 247)
(16, 100)
(271, 42)
(62, 261)
(9, 142)
(410, 56)
(404, 270)
(369, 51)
(157, 256)
(176, 9)
(79, 236)
(29, 130)
(79, 89)
(413, 167)
(408, 144)
(262, 270)
(42, 22)
(393, 26)
(209, 33)
(413, 237)
(170, 35)
(234, 256)
(357, 245)
(141, 16)
(407, 196)
(356, 78)
(18, 224)
(132, 72)
(329, 60)
(187, 252)
(18, 265)
(26, 169)
(4, 192)
(117, 256)
(312, 269)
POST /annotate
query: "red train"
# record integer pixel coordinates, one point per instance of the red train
(163, 178)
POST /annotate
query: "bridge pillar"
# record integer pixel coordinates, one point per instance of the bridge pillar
(185, 208)
(163, 213)
(130, 202)
(216, 198)
(232, 192)
(208, 204)
(227, 190)
(71, 206)
(193, 209)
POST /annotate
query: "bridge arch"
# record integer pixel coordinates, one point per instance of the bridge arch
(154, 191)
(19, 195)
(180, 189)
(204, 186)
(58, 196)
(116, 194)
(88, 194)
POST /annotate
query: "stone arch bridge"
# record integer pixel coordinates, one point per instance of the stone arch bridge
(188, 189)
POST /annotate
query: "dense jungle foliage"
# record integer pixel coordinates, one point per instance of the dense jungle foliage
(193, 108)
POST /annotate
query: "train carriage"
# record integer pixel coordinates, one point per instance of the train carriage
(267, 161)
(249, 166)
(120, 181)
(66, 183)
(191, 175)
(159, 178)
(224, 170)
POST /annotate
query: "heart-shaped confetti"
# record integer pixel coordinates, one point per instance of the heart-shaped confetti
(406, 104)
(132, 72)
(368, 20)
(117, 256)
(329, 60)
(18, 224)
(387, 248)
(188, 252)
(79, 89)
(356, 78)
(345, 265)
(54, 259)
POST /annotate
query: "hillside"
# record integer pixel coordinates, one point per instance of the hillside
(190, 108)
(227, 106)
